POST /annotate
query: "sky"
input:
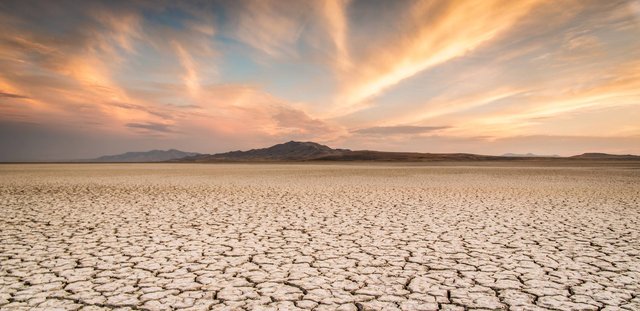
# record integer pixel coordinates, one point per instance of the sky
(80, 79)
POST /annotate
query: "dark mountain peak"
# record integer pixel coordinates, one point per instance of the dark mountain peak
(299, 145)
(289, 151)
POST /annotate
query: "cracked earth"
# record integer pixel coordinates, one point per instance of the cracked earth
(318, 237)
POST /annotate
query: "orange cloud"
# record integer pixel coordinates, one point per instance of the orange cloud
(246, 110)
(620, 89)
(77, 73)
(435, 32)
(190, 77)
(334, 13)
(439, 107)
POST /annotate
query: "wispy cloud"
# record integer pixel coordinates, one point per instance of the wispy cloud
(157, 127)
(190, 76)
(11, 95)
(271, 27)
(336, 23)
(399, 129)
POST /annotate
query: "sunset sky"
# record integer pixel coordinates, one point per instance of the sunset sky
(80, 79)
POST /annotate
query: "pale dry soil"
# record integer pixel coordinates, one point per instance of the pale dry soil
(318, 237)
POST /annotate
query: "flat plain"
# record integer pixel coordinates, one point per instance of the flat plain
(319, 237)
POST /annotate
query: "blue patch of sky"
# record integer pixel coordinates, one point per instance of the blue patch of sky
(290, 79)
(235, 64)
(172, 17)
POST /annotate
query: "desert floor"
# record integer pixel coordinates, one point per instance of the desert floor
(321, 237)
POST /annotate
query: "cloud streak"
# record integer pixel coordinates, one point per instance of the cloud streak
(190, 76)
(337, 26)
(11, 95)
(398, 130)
(156, 127)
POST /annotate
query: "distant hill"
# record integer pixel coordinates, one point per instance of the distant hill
(606, 156)
(310, 151)
(529, 155)
(368, 155)
(144, 156)
(290, 151)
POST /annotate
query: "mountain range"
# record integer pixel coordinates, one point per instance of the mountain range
(144, 156)
(310, 151)
(602, 156)
(530, 155)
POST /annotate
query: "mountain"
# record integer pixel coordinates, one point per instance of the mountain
(145, 156)
(383, 156)
(606, 156)
(530, 155)
(310, 151)
(290, 151)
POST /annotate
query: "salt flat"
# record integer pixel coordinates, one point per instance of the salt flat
(322, 237)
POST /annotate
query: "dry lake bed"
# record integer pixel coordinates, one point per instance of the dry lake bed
(319, 237)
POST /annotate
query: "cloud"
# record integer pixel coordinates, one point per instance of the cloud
(432, 33)
(166, 115)
(75, 62)
(620, 88)
(245, 110)
(587, 66)
(447, 104)
(270, 26)
(156, 127)
(11, 95)
(293, 121)
(308, 31)
(190, 76)
(395, 130)
(336, 24)
(583, 42)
